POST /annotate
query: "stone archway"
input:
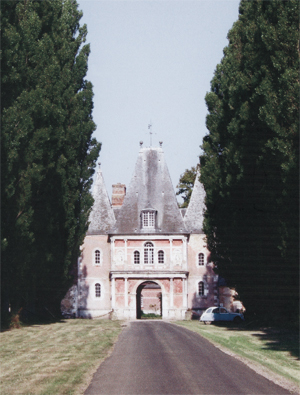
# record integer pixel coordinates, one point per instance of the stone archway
(148, 299)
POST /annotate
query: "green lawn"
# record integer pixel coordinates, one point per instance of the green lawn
(275, 349)
(59, 358)
(151, 316)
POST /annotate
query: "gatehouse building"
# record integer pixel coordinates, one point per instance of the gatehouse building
(142, 253)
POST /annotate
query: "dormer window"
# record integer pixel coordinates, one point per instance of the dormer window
(148, 219)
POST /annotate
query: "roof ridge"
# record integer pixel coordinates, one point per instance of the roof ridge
(194, 215)
(102, 216)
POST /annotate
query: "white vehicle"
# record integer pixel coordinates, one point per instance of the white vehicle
(213, 314)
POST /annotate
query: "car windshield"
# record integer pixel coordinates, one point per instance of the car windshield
(209, 310)
(216, 311)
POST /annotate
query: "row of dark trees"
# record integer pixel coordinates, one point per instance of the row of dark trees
(250, 160)
(47, 151)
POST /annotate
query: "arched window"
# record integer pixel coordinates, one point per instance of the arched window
(148, 253)
(97, 257)
(201, 259)
(136, 257)
(161, 257)
(97, 290)
(201, 288)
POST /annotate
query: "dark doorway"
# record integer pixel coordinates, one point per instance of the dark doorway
(148, 300)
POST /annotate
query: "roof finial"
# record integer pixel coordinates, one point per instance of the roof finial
(150, 131)
(141, 144)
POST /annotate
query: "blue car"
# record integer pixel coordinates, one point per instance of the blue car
(214, 314)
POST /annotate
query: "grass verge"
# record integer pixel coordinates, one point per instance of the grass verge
(58, 358)
(151, 316)
(275, 349)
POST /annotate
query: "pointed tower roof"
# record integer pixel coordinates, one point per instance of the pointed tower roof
(150, 189)
(102, 216)
(193, 218)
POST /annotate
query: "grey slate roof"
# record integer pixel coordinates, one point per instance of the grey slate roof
(182, 212)
(150, 188)
(102, 216)
(193, 218)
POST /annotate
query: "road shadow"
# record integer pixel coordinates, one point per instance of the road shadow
(274, 338)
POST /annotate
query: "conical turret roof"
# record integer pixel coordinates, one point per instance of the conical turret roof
(150, 189)
(193, 219)
(102, 216)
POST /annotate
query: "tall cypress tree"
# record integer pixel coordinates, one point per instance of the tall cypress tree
(48, 152)
(251, 157)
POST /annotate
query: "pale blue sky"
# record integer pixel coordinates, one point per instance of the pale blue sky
(153, 60)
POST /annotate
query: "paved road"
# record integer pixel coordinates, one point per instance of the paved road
(156, 357)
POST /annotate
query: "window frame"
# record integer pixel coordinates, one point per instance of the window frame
(148, 253)
(136, 254)
(95, 258)
(92, 287)
(163, 257)
(97, 290)
(205, 289)
(201, 256)
(202, 293)
(148, 219)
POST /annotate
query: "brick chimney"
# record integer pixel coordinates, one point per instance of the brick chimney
(118, 195)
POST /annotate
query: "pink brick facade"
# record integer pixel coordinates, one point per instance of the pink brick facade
(119, 276)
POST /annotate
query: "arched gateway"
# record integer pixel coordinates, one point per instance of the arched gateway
(166, 295)
(148, 300)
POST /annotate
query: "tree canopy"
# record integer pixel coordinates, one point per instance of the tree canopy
(249, 167)
(48, 152)
(185, 185)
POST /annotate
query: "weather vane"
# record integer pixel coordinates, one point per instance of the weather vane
(150, 132)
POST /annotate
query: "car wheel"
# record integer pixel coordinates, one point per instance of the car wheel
(207, 322)
(237, 320)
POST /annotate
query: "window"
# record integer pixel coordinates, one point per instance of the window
(201, 288)
(136, 257)
(97, 290)
(97, 257)
(148, 219)
(201, 259)
(161, 257)
(148, 253)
